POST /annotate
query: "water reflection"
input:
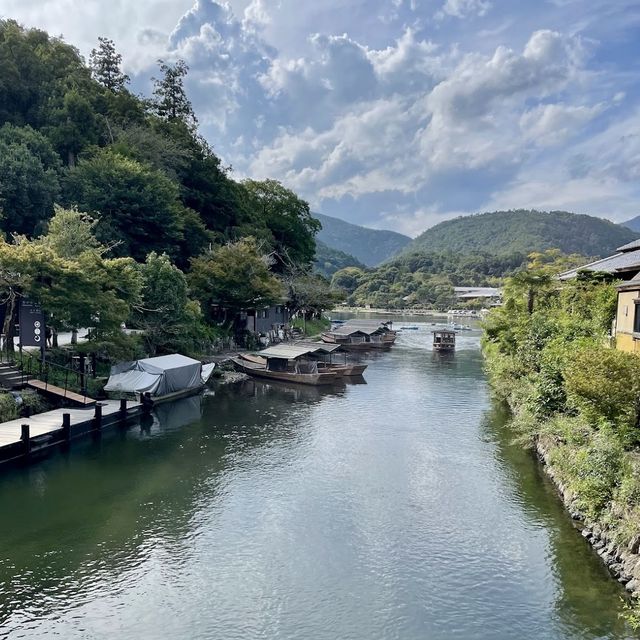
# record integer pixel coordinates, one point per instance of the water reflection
(390, 509)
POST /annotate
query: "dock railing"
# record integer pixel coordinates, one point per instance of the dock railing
(52, 374)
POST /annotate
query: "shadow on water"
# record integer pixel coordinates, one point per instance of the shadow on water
(587, 598)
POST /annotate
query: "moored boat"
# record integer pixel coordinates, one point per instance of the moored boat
(288, 363)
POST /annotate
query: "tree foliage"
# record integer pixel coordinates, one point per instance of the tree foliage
(105, 63)
(235, 276)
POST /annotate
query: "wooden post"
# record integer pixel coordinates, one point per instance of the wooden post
(97, 420)
(25, 436)
(146, 402)
(66, 426)
(123, 409)
(82, 373)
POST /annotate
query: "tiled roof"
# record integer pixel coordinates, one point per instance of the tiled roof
(635, 244)
(626, 261)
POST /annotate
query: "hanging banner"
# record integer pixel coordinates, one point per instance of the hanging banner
(31, 324)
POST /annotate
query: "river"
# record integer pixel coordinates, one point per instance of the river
(396, 509)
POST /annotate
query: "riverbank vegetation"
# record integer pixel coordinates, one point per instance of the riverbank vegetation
(116, 211)
(423, 280)
(550, 359)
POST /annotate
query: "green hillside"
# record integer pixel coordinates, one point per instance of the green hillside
(370, 246)
(523, 231)
(329, 260)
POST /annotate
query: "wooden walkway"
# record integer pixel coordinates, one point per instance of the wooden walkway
(59, 392)
(47, 429)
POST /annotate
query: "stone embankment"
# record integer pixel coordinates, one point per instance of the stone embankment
(623, 561)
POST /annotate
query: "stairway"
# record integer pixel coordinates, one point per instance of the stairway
(10, 377)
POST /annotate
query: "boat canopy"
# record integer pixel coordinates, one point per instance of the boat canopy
(350, 330)
(158, 376)
(322, 347)
(289, 351)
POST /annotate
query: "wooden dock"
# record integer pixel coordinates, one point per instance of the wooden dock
(23, 438)
(61, 393)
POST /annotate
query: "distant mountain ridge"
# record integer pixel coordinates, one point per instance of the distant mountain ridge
(329, 260)
(633, 224)
(369, 246)
(524, 231)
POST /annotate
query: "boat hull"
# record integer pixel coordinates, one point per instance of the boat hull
(258, 371)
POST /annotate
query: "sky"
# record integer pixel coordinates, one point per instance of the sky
(397, 114)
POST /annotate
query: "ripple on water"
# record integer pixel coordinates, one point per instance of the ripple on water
(395, 509)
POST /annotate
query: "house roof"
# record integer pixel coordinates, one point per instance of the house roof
(624, 261)
(634, 244)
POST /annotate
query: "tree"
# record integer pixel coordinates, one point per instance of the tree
(311, 294)
(85, 291)
(235, 277)
(288, 219)
(137, 207)
(73, 125)
(171, 321)
(70, 233)
(105, 64)
(171, 101)
(29, 180)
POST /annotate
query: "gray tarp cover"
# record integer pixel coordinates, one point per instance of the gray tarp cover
(158, 376)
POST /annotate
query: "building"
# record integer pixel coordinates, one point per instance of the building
(627, 322)
(491, 295)
(624, 264)
(265, 321)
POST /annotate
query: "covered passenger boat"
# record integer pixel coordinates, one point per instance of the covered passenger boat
(444, 340)
(329, 360)
(361, 335)
(159, 379)
(289, 363)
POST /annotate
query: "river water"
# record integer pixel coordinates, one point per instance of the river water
(395, 509)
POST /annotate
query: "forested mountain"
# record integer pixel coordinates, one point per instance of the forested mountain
(523, 231)
(633, 224)
(329, 260)
(370, 246)
(149, 227)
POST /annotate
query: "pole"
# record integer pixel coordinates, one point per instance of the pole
(25, 437)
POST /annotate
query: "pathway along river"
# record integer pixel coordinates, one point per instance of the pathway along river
(396, 509)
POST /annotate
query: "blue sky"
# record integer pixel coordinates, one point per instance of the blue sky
(398, 113)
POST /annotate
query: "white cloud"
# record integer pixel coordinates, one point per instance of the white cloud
(552, 124)
(464, 8)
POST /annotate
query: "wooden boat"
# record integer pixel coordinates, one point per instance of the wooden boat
(320, 349)
(288, 363)
(360, 336)
(444, 340)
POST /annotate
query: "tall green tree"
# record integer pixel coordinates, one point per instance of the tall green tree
(171, 101)
(288, 219)
(137, 207)
(29, 179)
(105, 63)
(170, 319)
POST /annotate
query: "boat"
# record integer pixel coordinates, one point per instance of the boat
(412, 328)
(361, 335)
(346, 368)
(160, 379)
(444, 340)
(289, 363)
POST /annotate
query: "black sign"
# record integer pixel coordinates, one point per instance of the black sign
(31, 324)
